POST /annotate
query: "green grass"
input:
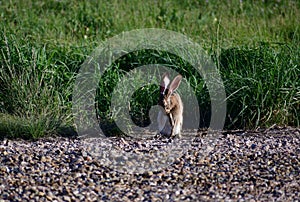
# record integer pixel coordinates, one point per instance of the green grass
(255, 45)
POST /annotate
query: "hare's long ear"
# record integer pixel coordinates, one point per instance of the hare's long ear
(175, 83)
(165, 80)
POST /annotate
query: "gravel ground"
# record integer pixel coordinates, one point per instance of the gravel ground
(244, 166)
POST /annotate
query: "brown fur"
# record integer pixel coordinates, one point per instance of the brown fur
(171, 103)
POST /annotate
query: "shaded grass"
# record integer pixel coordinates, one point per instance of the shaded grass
(147, 96)
(254, 44)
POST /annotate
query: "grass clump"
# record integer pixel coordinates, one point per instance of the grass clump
(262, 85)
(34, 94)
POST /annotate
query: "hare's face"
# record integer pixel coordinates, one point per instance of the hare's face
(167, 95)
(169, 103)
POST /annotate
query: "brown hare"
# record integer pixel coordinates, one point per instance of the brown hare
(170, 116)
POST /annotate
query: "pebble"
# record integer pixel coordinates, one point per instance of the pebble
(246, 166)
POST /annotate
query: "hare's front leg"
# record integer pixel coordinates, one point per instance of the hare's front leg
(176, 130)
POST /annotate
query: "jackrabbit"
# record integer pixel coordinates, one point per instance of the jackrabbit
(170, 116)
